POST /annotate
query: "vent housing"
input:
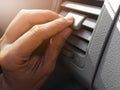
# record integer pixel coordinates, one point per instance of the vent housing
(80, 39)
(76, 53)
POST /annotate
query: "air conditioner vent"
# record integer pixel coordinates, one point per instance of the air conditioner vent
(90, 11)
(80, 39)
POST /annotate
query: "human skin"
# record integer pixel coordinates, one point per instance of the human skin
(29, 29)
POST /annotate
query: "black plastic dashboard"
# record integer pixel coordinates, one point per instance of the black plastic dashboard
(84, 50)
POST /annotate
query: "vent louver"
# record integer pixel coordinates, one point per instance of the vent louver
(80, 39)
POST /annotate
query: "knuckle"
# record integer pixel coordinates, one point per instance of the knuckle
(23, 13)
(37, 30)
(63, 20)
(49, 11)
(52, 14)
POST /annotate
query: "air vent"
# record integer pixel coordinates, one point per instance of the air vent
(80, 39)
(81, 7)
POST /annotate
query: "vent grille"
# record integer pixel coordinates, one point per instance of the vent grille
(80, 39)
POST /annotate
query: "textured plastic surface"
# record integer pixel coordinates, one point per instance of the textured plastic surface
(108, 75)
(92, 58)
(100, 33)
(84, 63)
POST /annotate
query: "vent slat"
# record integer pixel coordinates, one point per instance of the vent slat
(89, 23)
(82, 7)
(79, 43)
(72, 48)
(79, 40)
(84, 34)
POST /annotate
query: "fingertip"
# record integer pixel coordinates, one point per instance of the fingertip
(69, 19)
(60, 15)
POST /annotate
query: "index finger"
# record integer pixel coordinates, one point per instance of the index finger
(33, 38)
(25, 20)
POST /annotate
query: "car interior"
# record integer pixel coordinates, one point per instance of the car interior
(90, 58)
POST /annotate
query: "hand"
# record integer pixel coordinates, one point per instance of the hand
(21, 69)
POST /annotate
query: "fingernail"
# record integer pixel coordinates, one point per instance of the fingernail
(69, 19)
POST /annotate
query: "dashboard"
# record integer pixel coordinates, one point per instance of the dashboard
(90, 52)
